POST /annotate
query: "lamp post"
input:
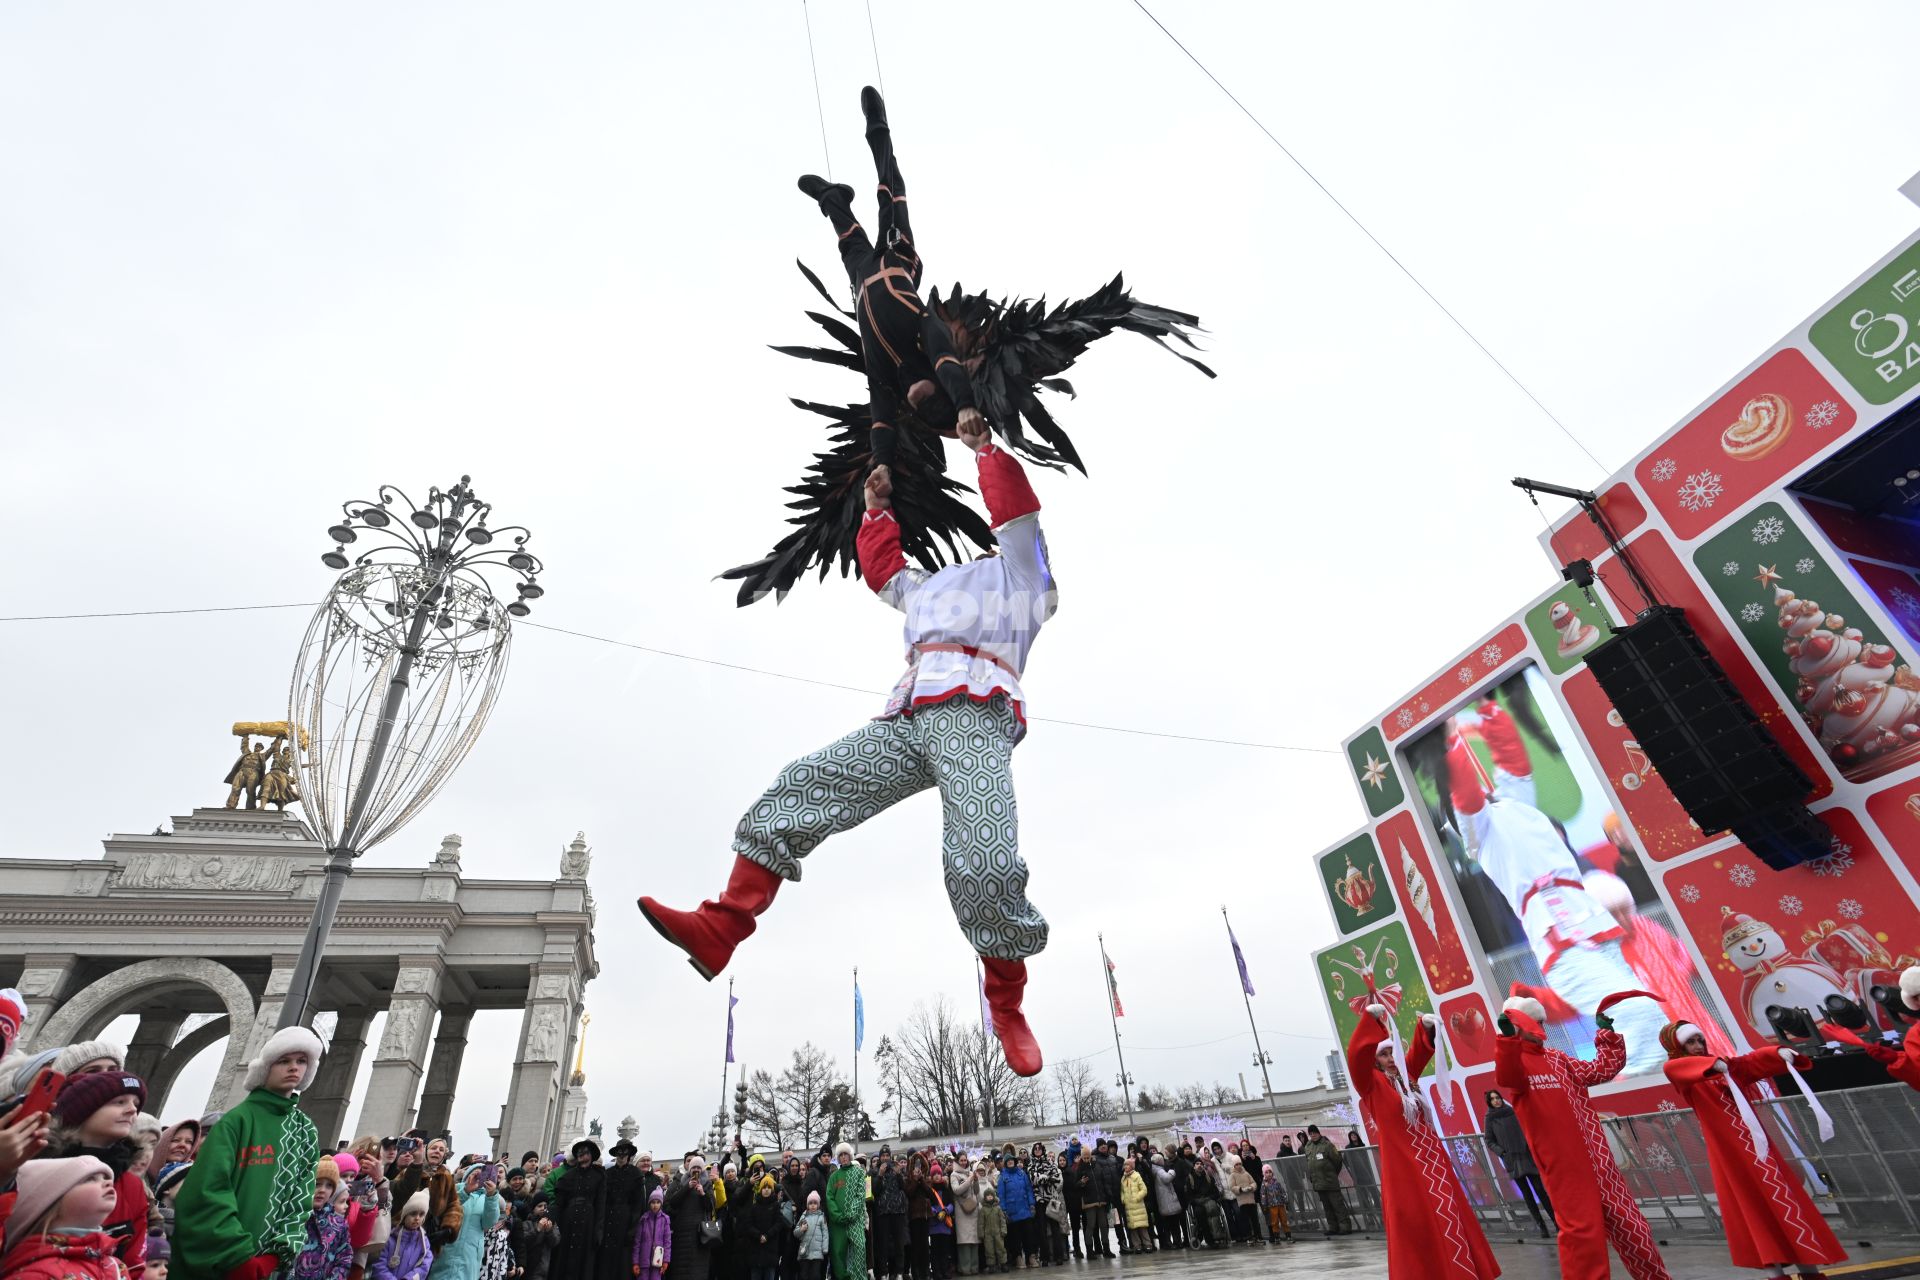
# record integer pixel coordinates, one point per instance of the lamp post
(397, 674)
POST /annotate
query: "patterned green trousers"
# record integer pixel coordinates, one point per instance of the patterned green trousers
(961, 747)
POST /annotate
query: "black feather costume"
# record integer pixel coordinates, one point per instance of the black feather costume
(1012, 351)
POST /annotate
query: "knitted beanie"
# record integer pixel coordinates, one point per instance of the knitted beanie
(327, 1171)
(75, 1056)
(42, 1184)
(171, 1175)
(81, 1096)
(158, 1250)
(281, 1043)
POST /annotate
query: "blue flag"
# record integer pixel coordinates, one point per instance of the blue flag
(731, 1001)
(859, 1017)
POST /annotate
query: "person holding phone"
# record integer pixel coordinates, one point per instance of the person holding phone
(479, 1210)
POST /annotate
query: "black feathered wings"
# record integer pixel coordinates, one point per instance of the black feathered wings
(1013, 351)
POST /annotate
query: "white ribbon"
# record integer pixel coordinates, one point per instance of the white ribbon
(1822, 1122)
(1747, 1116)
(1442, 1068)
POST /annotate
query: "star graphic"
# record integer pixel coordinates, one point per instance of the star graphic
(1374, 775)
(1767, 576)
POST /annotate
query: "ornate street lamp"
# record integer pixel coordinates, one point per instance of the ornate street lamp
(398, 671)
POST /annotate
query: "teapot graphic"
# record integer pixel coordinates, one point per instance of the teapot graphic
(1356, 890)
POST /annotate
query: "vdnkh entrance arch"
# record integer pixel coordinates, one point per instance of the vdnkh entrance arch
(208, 921)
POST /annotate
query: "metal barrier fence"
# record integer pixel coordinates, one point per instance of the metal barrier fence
(1866, 1177)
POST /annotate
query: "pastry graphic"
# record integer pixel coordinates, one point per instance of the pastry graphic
(1762, 426)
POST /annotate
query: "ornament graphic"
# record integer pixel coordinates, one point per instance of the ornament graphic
(1374, 773)
(1385, 963)
(1356, 890)
(1415, 883)
(1761, 428)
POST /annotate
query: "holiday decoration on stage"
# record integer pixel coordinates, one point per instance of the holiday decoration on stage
(1357, 890)
(1575, 636)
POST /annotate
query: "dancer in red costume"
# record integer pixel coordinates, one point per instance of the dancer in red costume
(1591, 1201)
(1432, 1233)
(1770, 1221)
(951, 724)
(1903, 1064)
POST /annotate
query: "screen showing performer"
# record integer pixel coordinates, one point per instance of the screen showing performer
(1553, 888)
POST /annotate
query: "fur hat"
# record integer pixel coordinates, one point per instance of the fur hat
(1910, 987)
(19, 1070)
(42, 1184)
(146, 1130)
(418, 1203)
(1527, 1005)
(75, 1056)
(281, 1043)
(13, 1016)
(81, 1096)
(327, 1171)
(844, 1149)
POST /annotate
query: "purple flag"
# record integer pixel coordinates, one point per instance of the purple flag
(1246, 983)
(986, 1014)
(731, 1001)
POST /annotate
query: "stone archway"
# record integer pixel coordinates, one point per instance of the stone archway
(88, 1012)
(184, 1050)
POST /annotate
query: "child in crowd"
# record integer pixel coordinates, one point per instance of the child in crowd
(94, 1115)
(812, 1230)
(537, 1254)
(56, 1229)
(993, 1232)
(166, 1190)
(329, 1251)
(243, 1211)
(1273, 1198)
(407, 1255)
(653, 1237)
(159, 1255)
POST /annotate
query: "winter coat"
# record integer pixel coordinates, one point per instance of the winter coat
(407, 1256)
(811, 1231)
(461, 1259)
(653, 1231)
(688, 1206)
(1245, 1189)
(536, 1250)
(1046, 1184)
(1133, 1198)
(993, 1222)
(329, 1251)
(1166, 1201)
(443, 1200)
(499, 1254)
(579, 1208)
(1107, 1170)
(889, 1192)
(64, 1257)
(966, 1207)
(1016, 1193)
(626, 1199)
(1504, 1135)
(1273, 1192)
(1085, 1181)
(227, 1211)
(1324, 1162)
(369, 1225)
(761, 1228)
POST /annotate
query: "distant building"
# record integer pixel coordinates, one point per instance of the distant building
(1336, 1070)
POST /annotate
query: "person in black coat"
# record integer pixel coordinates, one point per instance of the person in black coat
(579, 1209)
(1510, 1144)
(761, 1229)
(689, 1204)
(629, 1183)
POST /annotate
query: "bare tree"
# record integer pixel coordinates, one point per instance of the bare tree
(766, 1116)
(1081, 1098)
(930, 1058)
(802, 1093)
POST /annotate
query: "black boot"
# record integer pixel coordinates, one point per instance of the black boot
(815, 187)
(874, 108)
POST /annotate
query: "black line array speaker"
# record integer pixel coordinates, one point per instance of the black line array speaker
(1705, 741)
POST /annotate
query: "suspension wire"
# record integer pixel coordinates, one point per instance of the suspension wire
(818, 105)
(879, 76)
(703, 661)
(1377, 242)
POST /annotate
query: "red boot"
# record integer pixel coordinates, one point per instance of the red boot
(1005, 980)
(709, 933)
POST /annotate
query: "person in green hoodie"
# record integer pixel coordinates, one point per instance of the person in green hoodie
(242, 1213)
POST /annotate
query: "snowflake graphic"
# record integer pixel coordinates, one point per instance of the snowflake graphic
(1657, 1156)
(1663, 469)
(1904, 601)
(1823, 414)
(1667, 1104)
(1700, 490)
(1805, 564)
(1791, 906)
(1742, 874)
(1850, 908)
(1835, 864)
(1730, 568)
(1751, 613)
(1466, 675)
(1491, 655)
(1769, 530)
(1424, 708)
(1405, 718)
(1690, 892)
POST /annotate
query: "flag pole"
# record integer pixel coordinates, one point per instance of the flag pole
(1259, 1054)
(1126, 1081)
(856, 1053)
(986, 1102)
(726, 1069)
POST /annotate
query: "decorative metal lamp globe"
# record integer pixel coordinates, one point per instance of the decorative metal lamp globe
(397, 674)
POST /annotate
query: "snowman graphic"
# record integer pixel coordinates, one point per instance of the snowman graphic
(1771, 974)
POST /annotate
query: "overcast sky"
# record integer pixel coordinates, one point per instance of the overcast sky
(255, 260)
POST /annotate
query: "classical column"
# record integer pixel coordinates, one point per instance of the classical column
(396, 1067)
(185, 1050)
(326, 1101)
(151, 1040)
(443, 1070)
(44, 981)
(229, 1083)
(533, 1099)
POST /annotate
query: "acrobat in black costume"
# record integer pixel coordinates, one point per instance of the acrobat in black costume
(907, 349)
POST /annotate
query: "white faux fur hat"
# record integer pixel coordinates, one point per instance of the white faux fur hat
(1910, 987)
(844, 1149)
(418, 1202)
(281, 1043)
(1527, 1005)
(79, 1055)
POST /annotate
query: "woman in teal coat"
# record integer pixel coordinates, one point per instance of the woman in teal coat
(480, 1202)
